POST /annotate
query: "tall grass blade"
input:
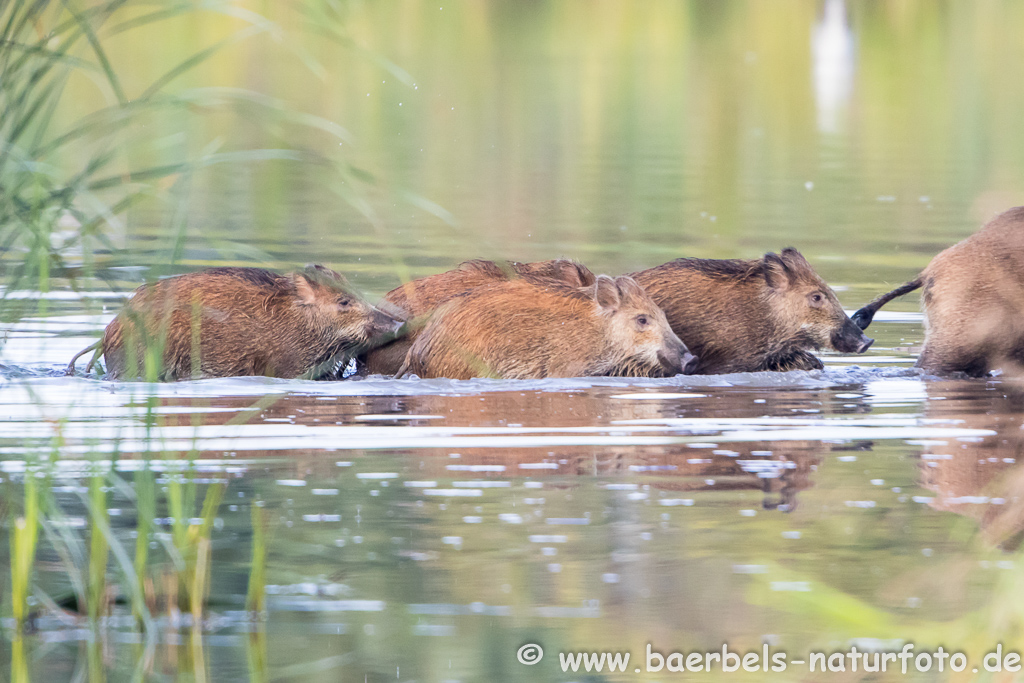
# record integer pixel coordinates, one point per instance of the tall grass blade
(198, 656)
(94, 653)
(23, 551)
(94, 41)
(19, 662)
(195, 60)
(98, 519)
(200, 540)
(256, 655)
(68, 547)
(199, 585)
(145, 508)
(99, 549)
(256, 596)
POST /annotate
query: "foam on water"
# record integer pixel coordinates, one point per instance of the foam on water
(98, 416)
(50, 377)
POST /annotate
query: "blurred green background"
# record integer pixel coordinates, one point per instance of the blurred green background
(870, 135)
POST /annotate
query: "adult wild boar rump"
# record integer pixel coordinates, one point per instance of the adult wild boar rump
(224, 322)
(973, 301)
(527, 329)
(419, 298)
(748, 316)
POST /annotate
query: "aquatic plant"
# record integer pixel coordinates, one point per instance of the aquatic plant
(199, 551)
(24, 535)
(68, 179)
(99, 548)
(48, 208)
(256, 597)
(145, 497)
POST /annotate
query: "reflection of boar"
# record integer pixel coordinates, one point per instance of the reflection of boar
(746, 316)
(526, 328)
(973, 302)
(970, 475)
(249, 321)
(420, 297)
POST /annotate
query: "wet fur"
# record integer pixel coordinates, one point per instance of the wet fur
(532, 328)
(973, 301)
(418, 299)
(251, 322)
(748, 316)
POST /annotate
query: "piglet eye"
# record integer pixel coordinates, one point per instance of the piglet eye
(641, 321)
(344, 302)
(817, 299)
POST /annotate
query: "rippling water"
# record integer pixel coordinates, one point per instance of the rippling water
(426, 530)
(378, 529)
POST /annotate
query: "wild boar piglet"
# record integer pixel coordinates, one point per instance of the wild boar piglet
(224, 322)
(527, 329)
(419, 298)
(749, 316)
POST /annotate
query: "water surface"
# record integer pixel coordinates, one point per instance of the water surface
(426, 530)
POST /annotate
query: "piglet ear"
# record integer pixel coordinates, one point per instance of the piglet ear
(323, 273)
(629, 289)
(573, 273)
(606, 293)
(794, 259)
(776, 273)
(305, 289)
(586, 277)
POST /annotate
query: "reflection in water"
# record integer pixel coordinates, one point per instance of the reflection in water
(375, 534)
(424, 530)
(832, 47)
(979, 477)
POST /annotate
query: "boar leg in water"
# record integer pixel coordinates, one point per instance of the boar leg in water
(798, 360)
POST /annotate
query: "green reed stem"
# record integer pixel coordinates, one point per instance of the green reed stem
(145, 501)
(100, 524)
(99, 548)
(197, 655)
(199, 586)
(199, 552)
(256, 655)
(256, 597)
(23, 551)
(211, 503)
(19, 663)
(97, 669)
(176, 510)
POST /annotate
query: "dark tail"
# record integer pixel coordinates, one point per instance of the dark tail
(863, 317)
(92, 347)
